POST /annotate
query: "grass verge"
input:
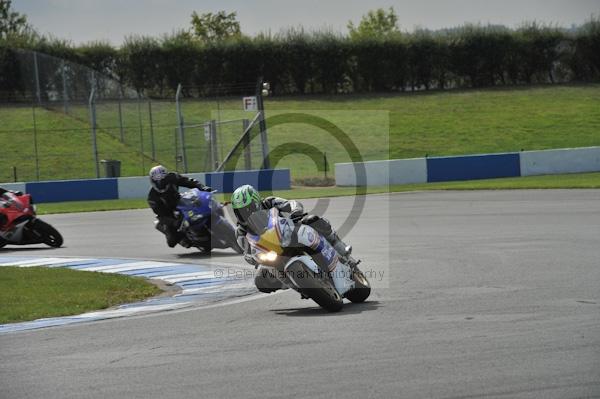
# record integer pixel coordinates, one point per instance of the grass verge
(565, 181)
(382, 126)
(36, 292)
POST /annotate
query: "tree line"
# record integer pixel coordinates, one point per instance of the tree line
(323, 62)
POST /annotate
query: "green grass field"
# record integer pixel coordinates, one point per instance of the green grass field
(35, 292)
(386, 126)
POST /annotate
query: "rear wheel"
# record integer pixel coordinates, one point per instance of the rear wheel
(311, 285)
(205, 248)
(48, 234)
(362, 288)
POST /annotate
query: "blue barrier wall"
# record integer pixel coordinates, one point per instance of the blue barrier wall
(263, 180)
(73, 190)
(137, 187)
(473, 167)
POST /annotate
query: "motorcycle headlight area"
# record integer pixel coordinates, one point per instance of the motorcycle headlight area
(270, 256)
(194, 217)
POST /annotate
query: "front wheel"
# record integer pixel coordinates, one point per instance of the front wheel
(361, 290)
(319, 290)
(226, 232)
(48, 234)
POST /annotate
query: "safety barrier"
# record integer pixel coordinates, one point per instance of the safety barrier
(468, 167)
(137, 187)
(567, 160)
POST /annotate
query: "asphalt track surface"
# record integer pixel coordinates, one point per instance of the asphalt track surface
(486, 294)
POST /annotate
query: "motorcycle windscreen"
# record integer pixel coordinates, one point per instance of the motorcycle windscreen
(258, 222)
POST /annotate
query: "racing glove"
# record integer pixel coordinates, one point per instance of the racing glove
(297, 216)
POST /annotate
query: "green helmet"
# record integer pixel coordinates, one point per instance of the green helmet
(245, 201)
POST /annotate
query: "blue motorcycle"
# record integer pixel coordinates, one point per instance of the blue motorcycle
(203, 222)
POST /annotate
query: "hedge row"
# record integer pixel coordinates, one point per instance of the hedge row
(298, 62)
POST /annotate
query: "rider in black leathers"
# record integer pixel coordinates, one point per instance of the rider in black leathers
(164, 197)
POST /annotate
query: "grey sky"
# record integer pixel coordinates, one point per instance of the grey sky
(112, 20)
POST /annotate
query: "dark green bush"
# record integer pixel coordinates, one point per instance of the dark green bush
(316, 62)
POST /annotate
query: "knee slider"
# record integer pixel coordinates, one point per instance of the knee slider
(319, 224)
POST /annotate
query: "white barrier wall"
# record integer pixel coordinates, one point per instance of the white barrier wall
(567, 160)
(382, 173)
(133, 187)
(13, 186)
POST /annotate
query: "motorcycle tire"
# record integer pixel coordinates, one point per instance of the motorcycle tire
(206, 249)
(3, 242)
(266, 282)
(361, 290)
(49, 235)
(312, 286)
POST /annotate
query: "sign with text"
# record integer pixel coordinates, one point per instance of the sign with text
(250, 103)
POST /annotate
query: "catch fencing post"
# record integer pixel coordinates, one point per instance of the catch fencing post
(36, 71)
(121, 116)
(64, 87)
(151, 130)
(141, 133)
(263, 88)
(35, 145)
(246, 144)
(92, 106)
(180, 126)
(214, 149)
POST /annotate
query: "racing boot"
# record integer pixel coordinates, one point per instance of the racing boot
(344, 250)
(184, 242)
(337, 243)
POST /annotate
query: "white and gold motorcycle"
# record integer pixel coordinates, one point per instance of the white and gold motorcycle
(296, 256)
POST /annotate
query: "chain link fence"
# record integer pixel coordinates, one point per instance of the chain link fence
(72, 120)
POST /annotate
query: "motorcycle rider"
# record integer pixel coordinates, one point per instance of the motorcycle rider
(3, 217)
(164, 197)
(246, 200)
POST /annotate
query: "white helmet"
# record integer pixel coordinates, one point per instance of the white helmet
(157, 175)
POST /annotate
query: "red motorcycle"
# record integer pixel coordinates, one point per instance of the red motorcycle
(19, 224)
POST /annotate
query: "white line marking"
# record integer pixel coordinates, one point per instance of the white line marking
(188, 276)
(129, 266)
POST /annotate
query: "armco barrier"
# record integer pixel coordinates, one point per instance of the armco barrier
(263, 180)
(470, 167)
(137, 187)
(568, 160)
(382, 173)
(473, 167)
(73, 190)
(13, 186)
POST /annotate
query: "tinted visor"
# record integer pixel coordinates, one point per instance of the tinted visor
(258, 221)
(246, 216)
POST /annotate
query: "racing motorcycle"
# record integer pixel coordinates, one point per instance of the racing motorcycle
(203, 222)
(21, 225)
(298, 257)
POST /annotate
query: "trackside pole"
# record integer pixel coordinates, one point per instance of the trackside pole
(262, 123)
(92, 105)
(180, 127)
